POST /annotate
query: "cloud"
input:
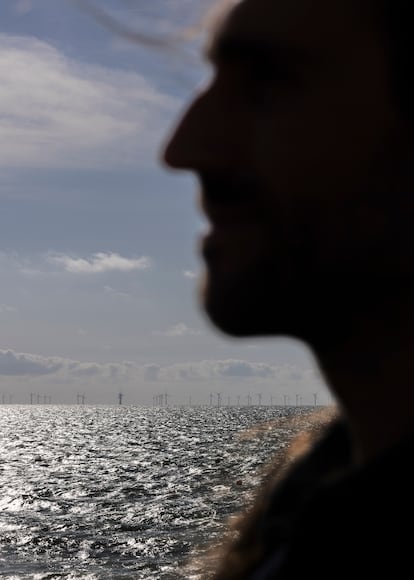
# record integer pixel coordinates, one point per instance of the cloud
(110, 290)
(240, 368)
(15, 262)
(60, 113)
(97, 263)
(15, 364)
(216, 369)
(202, 376)
(189, 274)
(84, 370)
(282, 376)
(179, 330)
(151, 372)
(25, 364)
(100, 262)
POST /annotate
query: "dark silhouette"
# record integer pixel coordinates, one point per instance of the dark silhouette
(303, 143)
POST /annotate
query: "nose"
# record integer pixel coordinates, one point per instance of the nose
(202, 138)
(184, 148)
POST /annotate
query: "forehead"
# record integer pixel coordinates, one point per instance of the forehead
(317, 25)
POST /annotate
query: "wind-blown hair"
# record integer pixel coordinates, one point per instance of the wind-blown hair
(394, 16)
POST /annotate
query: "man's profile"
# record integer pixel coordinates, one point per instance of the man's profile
(303, 143)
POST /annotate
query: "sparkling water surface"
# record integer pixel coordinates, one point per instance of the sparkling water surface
(124, 492)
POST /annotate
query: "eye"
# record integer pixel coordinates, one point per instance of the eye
(264, 82)
(258, 84)
(271, 73)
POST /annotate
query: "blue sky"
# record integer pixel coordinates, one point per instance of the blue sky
(98, 242)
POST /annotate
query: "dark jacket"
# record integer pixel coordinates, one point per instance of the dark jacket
(329, 519)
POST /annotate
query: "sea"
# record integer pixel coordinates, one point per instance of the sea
(127, 492)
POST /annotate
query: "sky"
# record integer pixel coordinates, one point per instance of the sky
(99, 266)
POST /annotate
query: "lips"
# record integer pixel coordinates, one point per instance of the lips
(229, 200)
(223, 189)
(228, 216)
(236, 229)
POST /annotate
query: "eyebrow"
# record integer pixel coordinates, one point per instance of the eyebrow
(239, 50)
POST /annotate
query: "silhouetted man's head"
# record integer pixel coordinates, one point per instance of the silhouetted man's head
(302, 145)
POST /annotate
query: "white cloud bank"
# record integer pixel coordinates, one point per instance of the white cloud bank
(21, 364)
(231, 369)
(102, 379)
(100, 262)
(216, 369)
(14, 363)
(56, 112)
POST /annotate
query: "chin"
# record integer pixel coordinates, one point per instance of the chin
(243, 314)
(276, 311)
